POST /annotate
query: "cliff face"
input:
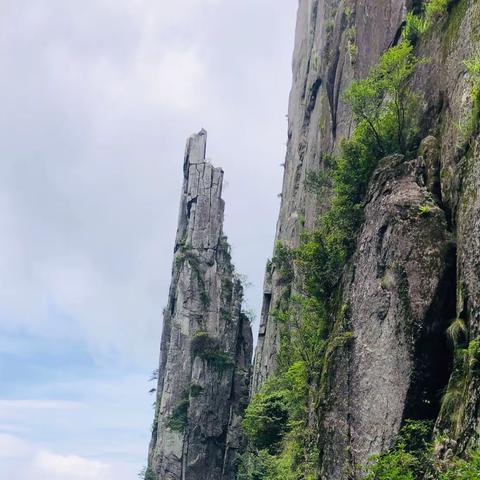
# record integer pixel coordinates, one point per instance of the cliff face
(206, 346)
(412, 273)
(334, 43)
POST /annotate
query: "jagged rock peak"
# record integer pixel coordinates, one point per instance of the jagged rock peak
(206, 349)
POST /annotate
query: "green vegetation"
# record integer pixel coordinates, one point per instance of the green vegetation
(195, 390)
(207, 348)
(178, 419)
(283, 262)
(147, 474)
(409, 459)
(466, 369)
(186, 254)
(415, 27)
(421, 20)
(436, 8)
(282, 420)
(384, 108)
(463, 469)
(424, 210)
(473, 69)
(412, 458)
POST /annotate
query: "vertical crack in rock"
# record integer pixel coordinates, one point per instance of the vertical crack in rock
(206, 347)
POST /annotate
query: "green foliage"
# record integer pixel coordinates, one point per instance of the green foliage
(317, 182)
(403, 463)
(207, 348)
(463, 469)
(424, 210)
(281, 421)
(265, 420)
(415, 27)
(395, 465)
(147, 474)
(283, 262)
(473, 69)
(457, 331)
(435, 9)
(195, 390)
(178, 419)
(409, 459)
(276, 424)
(466, 369)
(384, 108)
(275, 409)
(255, 466)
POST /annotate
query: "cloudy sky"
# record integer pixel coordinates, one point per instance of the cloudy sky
(97, 99)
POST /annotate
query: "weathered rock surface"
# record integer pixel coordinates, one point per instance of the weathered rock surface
(334, 43)
(406, 277)
(206, 346)
(397, 308)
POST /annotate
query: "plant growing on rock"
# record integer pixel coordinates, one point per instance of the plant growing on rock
(283, 437)
(383, 105)
(473, 69)
(178, 419)
(207, 348)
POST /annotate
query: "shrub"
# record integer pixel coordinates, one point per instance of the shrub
(265, 420)
(456, 331)
(464, 469)
(409, 459)
(283, 262)
(195, 390)
(208, 348)
(255, 466)
(415, 26)
(178, 419)
(147, 474)
(383, 105)
(436, 8)
(280, 424)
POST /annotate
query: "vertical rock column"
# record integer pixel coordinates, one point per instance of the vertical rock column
(206, 343)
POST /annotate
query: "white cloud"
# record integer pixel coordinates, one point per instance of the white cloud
(68, 467)
(13, 447)
(21, 459)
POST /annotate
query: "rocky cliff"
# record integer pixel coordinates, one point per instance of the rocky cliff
(371, 309)
(206, 346)
(415, 268)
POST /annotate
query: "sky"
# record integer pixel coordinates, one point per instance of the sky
(97, 100)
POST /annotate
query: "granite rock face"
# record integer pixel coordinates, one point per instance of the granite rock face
(334, 43)
(412, 272)
(398, 305)
(206, 347)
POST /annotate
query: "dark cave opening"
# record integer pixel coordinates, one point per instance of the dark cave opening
(433, 355)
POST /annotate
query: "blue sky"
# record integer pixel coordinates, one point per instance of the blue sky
(98, 98)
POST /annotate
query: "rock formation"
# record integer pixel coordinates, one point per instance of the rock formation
(414, 269)
(206, 345)
(411, 275)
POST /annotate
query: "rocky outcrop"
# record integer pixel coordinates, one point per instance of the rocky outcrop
(334, 43)
(397, 305)
(412, 272)
(206, 346)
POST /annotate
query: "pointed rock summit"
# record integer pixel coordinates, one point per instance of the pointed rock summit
(206, 347)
